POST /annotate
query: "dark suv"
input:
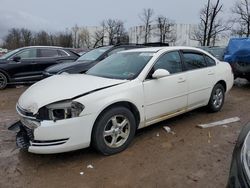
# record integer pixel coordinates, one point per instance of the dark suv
(28, 63)
(91, 58)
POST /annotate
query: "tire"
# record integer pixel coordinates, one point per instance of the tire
(114, 130)
(217, 98)
(3, 81)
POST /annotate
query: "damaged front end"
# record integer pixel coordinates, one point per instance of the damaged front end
(24, 135)
(24, 128)
(29, 123)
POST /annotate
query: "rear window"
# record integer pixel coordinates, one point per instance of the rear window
(62, 53)
(48, 53)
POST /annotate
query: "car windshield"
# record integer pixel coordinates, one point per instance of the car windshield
(94, 54)
(9, 54)
(125, 65)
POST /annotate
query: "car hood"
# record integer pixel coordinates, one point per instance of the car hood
(62, 87)
(60, 67)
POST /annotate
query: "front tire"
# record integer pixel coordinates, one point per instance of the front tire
(217, 98)
(3, 81)
(114, 130)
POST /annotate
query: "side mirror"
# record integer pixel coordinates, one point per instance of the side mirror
(16, 58)
(160, 73)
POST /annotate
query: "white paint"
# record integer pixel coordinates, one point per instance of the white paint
(156, 99)
(217, 123)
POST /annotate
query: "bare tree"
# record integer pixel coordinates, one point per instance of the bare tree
(211, 25)
(75, 31)
(64, 39)
(42, 38)
(26, 37)
(84, 38)
(13, 39)
(146, 18)
(241, 10)
(99, 36)
(166, 29)
(115, 30)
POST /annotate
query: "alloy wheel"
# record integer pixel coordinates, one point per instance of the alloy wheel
(116, 131)
(218, 98)
(3, 81)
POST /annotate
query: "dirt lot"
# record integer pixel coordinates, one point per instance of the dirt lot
(190, 158)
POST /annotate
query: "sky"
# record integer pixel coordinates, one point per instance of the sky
(57, 15)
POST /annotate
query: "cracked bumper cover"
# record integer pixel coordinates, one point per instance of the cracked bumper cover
(55, 137)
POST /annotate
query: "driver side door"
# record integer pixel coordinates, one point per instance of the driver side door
(22, 70)
(167, 96)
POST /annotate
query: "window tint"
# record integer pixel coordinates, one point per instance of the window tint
(170, 61)
(115, 51)
(125, 65)
(48, 53)
(62, 53)
(27, 54)
(210, 61)
(94, 54)
(194, 60)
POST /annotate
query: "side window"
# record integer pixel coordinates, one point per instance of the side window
(48, 53)
(210, 61)
(28, 54)
(115, 51)
(170, 61)
(194, 60)
(62, 53)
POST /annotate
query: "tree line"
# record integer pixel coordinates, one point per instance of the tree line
(113, 31)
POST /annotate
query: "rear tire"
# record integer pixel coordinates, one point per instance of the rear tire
(3, 81)
(114, 131)
(217, 97)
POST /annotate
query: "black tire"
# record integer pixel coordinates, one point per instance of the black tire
(3, 80)
(111, 127)
(217, 98)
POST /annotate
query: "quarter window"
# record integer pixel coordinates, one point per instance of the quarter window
(210, 61)
(62, 53)
(170, 61)
(48, 53)
(194, 60)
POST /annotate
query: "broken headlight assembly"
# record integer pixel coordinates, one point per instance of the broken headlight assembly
(245, 156)
(64, 110)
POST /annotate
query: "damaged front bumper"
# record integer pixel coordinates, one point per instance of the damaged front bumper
(24, 135)
(47, 137)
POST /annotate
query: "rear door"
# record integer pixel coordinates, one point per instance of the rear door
(45, 58)
(200, 76)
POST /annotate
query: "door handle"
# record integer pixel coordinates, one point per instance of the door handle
(181, 80)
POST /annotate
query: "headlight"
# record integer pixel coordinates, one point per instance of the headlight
(245, 155)
(64, 110)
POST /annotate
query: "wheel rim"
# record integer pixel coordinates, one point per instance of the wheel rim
(116, 131)
(218, 98)
(3, 80)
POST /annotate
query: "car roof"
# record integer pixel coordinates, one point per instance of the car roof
(43, 47)
(169, 48)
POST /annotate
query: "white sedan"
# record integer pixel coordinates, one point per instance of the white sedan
(125, 92)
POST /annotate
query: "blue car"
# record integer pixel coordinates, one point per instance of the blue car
(238, 55)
